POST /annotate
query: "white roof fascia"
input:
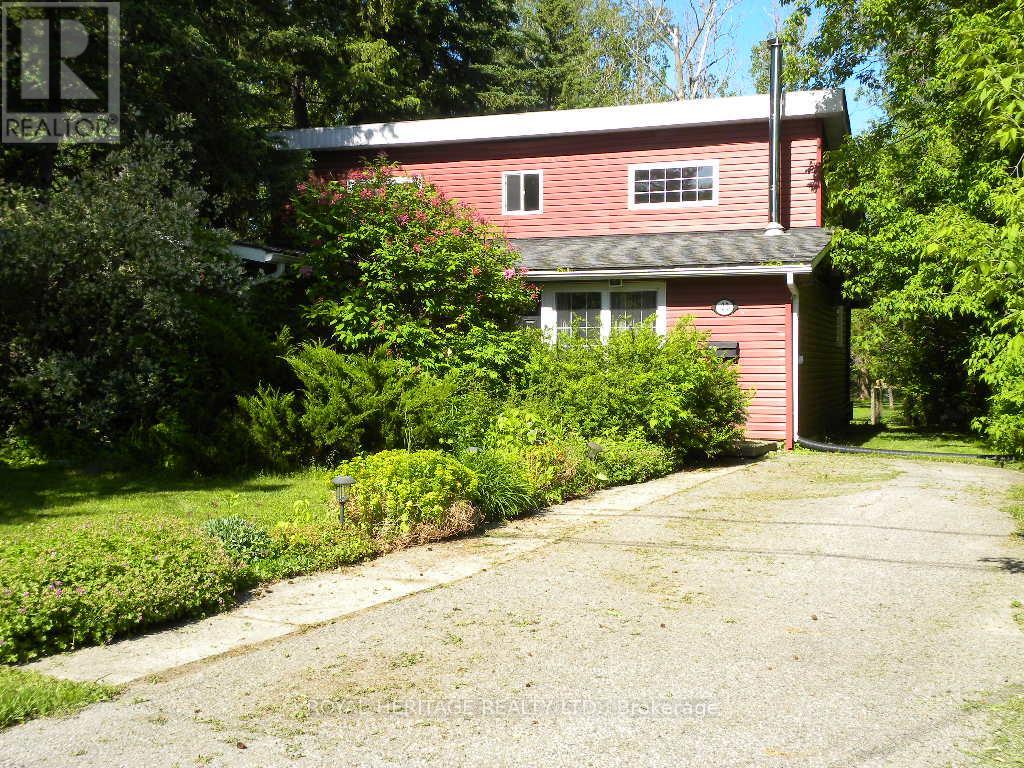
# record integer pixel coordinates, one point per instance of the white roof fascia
(829, 105)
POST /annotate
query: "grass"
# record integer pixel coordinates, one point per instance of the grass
(1016, 508)
(25, 695)
(36, 498)
(892, 434)
(1005, 743)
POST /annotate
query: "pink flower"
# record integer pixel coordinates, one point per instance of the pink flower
(302, 187)
(456, 232)
(417, 247)
(403, 219)
(523, 270)
(475, 271)
(509, 273)
(365, 193)
(336, 197)
(420, 216)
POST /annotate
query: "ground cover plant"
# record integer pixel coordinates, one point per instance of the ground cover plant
(88, 557)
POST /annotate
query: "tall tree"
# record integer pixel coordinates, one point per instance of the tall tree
(568, 54)
(800, 69)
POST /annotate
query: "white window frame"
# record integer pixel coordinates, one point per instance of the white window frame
(522, 192)
(631, 172)
(549, 313)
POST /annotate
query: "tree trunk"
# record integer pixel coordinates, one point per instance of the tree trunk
(300, 109)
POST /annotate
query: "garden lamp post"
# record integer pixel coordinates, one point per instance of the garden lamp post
(342, 489)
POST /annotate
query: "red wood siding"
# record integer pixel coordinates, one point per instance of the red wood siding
(586, 177)
(824, 386)
(760, 327)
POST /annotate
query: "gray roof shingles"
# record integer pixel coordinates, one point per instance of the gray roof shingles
(690, 249)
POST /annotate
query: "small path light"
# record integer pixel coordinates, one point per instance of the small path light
(342, 490)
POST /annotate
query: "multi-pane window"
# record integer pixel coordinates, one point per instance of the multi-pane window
(522, 193)
(673, 184)
(578, 312)
(632, 308)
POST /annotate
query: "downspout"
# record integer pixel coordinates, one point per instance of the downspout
(794, 293)
(775, 140)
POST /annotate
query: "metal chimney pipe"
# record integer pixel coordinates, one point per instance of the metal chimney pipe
(775, 139)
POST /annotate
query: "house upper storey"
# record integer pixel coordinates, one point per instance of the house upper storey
(685, 166)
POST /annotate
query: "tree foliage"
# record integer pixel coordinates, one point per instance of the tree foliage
(800, 68)
(929, 204)
(567, 54)
(400, 268)
(121, 310)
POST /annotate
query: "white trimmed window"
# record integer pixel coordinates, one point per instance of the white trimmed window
(593, 309)
(578, 312)
(632, 308)
(522, 192)
(673, 184)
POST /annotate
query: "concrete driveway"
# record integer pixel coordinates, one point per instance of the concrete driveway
(803, 611)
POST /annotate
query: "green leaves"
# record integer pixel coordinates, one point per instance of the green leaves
(399, 268)
(928, 205)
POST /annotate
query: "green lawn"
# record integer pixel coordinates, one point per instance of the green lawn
(36, 498)
(892, 434)
(1005, 743)
(25, 695)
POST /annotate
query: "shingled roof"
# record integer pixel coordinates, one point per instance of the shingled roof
(737, 248)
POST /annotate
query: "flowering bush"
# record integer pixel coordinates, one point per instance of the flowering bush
(402, 497)
(400, 267)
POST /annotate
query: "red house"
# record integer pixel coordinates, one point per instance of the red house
(663, 209)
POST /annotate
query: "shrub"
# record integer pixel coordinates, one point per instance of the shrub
(306, 547)
(504, 488)
(631, 459)
(675, 389)
(272, 426)
(403, 497)
(1004, 422)
(84, 585)
(398, 267)
(244, 542)
(519, 424)
(120, 306)
(561, 470)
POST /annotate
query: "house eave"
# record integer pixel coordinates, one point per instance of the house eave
(639, 274)
(827, 105)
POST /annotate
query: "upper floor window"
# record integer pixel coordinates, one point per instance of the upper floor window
(523, 192)
(673, 184)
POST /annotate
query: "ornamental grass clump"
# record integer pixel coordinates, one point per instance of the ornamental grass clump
(410, 497)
